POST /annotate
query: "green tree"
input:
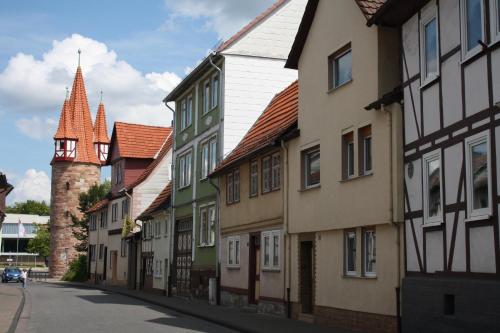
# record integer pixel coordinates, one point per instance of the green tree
(31, 207)
(87, 199)
(41, 243)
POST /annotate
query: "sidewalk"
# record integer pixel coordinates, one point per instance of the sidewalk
(232, 318)
(11, 297)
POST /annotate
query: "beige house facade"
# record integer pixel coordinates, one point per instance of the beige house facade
(344, 202)
(252, 211)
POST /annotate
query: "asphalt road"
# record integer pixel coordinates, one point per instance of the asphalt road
(54, 308)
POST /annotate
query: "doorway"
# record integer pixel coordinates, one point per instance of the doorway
(105, 265)
(114, 263)
(306, 276)
(254, 269)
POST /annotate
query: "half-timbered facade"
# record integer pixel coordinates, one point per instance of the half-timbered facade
(451, 71)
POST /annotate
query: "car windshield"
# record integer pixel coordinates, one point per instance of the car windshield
(12, 270)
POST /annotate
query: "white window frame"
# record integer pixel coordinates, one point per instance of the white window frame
(230, 188)
(210, 209)
(466, 54)
(167, 224)
(426, 159)
(275, 171)
(254, 178)
(206, 97)
(208, 157)
(469, 142)
(233, 251)
(236, 185)
(185, 169)
(271, 266)
(494, 21)
(266, 174)
(366, 272)
(428, 14)
(114, 212)
(214, 92)
(307, 167)
(347, 235)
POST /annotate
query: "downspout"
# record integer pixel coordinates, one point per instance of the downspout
(172, 206)
(394, 223)
(217, 188)
(287, 241)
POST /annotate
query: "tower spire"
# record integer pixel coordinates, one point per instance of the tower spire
(79, 54)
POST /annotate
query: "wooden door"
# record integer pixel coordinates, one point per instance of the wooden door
(183, 253)
(254, 269)
(306, 276)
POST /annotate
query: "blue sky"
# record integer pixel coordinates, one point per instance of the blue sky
(135, 51)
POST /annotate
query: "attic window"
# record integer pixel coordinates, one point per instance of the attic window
(340, 67)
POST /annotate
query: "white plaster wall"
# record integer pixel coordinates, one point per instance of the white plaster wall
(414, 186)
(476, 87)
(411, 251)
(411, 104)
(459, 257)
(231, 276)
(430, 104)
(495, 64)
(453, 157)
(482, 250)
(452, 90)
(449, 22)
(434, 251)
(250, 84)
(274, 36)
(145, 193)
(161, 246)
(410, 46)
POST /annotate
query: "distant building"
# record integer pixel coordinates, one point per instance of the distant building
(5, 189)
(9, 233)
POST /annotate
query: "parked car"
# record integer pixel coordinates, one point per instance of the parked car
(11, 274)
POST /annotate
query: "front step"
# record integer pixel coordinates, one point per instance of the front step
(306, 317)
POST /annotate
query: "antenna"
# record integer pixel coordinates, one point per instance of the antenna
(79, 53)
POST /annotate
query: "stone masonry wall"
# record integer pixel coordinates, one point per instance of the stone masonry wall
(68, 181)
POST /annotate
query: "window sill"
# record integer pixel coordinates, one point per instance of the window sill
(310, 188)
(331, 90)
(270, 191)
(271, 270)
(350, 179)
(432, 224)
(359, 277)
(185, 129)
(233, 267)
(429, 81)
(180, 189)
(478, 218)
(206, 245)
(158, 277)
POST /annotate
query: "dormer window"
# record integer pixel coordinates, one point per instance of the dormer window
(101, 150)
(65, 149)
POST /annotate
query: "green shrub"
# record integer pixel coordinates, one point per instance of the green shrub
(77, 270)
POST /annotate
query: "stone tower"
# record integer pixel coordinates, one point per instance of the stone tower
(80, 150)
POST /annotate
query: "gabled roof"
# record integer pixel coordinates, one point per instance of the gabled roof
(368, 7)
(251, 25)
(279, 117)
(98, 206)
(100, 126)
(138, 141)
(65, 128)
(82, 121)
(157, 203)
(167, 145)
(205, 63)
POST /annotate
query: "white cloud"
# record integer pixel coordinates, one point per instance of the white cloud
(34, 185)
(37, 128)
(224, 16)
(129, 95)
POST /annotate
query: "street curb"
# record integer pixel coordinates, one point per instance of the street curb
(15, 320)
(179, 310)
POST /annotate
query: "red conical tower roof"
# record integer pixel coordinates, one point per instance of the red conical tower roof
(100, 126)
(82, 121)
(65, 129)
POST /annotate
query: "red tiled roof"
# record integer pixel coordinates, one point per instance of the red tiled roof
(278, 117)
(98, 206)
(100, 126)
(160, 199)
(251, 25)
(65, 128)
(138, 141)
(161, 154)
(82, 121)
(370, 7)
